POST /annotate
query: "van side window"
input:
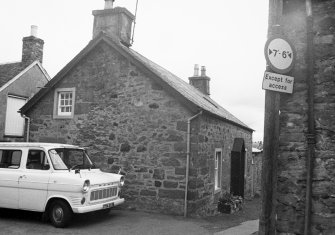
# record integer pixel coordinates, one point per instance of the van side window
(37, 160)
(10, 158)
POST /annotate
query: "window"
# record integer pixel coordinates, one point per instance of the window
(10, 158)
(63, 159)
(14, 125)
(64, 103)
(37, 160)
(218, 168)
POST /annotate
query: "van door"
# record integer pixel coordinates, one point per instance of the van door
(33, 183)
(10, 161)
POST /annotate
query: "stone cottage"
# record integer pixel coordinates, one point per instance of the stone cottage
(305, 192)
(18, 82)
(176, 145)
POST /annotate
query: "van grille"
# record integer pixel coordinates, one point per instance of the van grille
(103, 193)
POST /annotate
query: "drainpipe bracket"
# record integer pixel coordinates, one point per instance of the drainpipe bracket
(311, 139)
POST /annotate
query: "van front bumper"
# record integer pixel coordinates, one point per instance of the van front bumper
(96, 207)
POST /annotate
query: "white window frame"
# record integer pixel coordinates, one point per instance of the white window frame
(58, 104)
(218, 169)
(20, 121)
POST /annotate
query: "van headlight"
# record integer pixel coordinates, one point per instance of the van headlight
(122, 181)
(86, 186)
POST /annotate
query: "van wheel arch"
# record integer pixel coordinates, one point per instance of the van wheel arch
(51, 201)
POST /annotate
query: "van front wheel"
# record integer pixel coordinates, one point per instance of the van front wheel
(60, 214)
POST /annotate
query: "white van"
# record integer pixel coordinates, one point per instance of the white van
(56, 179)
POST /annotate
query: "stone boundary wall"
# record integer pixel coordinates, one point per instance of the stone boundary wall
(291, 181)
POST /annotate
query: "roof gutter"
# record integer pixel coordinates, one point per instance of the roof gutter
(188, 158)
(229, 121)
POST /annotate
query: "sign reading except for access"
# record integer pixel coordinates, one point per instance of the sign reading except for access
(280, 54)
(278, 82)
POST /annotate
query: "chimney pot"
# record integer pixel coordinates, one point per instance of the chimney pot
(196, 70)
(109, 4)
(203, 71)
(33, 30)
(200, 82)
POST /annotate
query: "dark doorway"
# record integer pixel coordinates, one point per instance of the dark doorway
(237, 168)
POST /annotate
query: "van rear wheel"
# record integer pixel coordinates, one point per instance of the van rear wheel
(60, 214)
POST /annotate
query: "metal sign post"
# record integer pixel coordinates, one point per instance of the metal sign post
(279, 54)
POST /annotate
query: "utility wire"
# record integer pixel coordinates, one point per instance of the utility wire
(132, 36)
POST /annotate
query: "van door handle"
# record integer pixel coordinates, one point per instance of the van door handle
(22, 177)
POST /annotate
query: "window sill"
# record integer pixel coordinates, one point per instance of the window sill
(63, 117)
(13, 136)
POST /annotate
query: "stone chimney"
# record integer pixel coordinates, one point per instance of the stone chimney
(200, 82)
(32, 47)
(116, 22)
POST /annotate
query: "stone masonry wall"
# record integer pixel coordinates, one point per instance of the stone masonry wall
(291, 181)
(26, 86)
(256, 171)
(213, 133)
(125, 119)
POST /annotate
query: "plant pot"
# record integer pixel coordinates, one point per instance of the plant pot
(225, 208)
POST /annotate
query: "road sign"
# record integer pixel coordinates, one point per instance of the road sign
(278, 82)
(280, 54)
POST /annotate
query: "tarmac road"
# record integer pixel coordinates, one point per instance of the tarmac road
(135, 223)
(117, 222)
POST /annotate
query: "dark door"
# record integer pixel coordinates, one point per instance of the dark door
(237, 168)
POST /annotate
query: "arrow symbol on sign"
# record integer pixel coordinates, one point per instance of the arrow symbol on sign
(270, 52)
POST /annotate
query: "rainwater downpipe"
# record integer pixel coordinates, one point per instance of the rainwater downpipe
(311, 128)
(28, 126)
(188, 158)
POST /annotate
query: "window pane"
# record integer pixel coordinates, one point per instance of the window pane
(16, 157)
(218, 170)
(10, 159)
(37, 160)
(65, 103)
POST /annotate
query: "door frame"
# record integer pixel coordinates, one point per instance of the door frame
(237, 168)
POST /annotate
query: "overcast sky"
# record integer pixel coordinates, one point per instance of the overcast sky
(227, 37)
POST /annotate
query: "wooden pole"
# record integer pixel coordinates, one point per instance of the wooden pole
(311, 126)
(270, 152)
(271, 141)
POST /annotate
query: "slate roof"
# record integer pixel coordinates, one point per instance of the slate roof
(9, 71)
(187, 91)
